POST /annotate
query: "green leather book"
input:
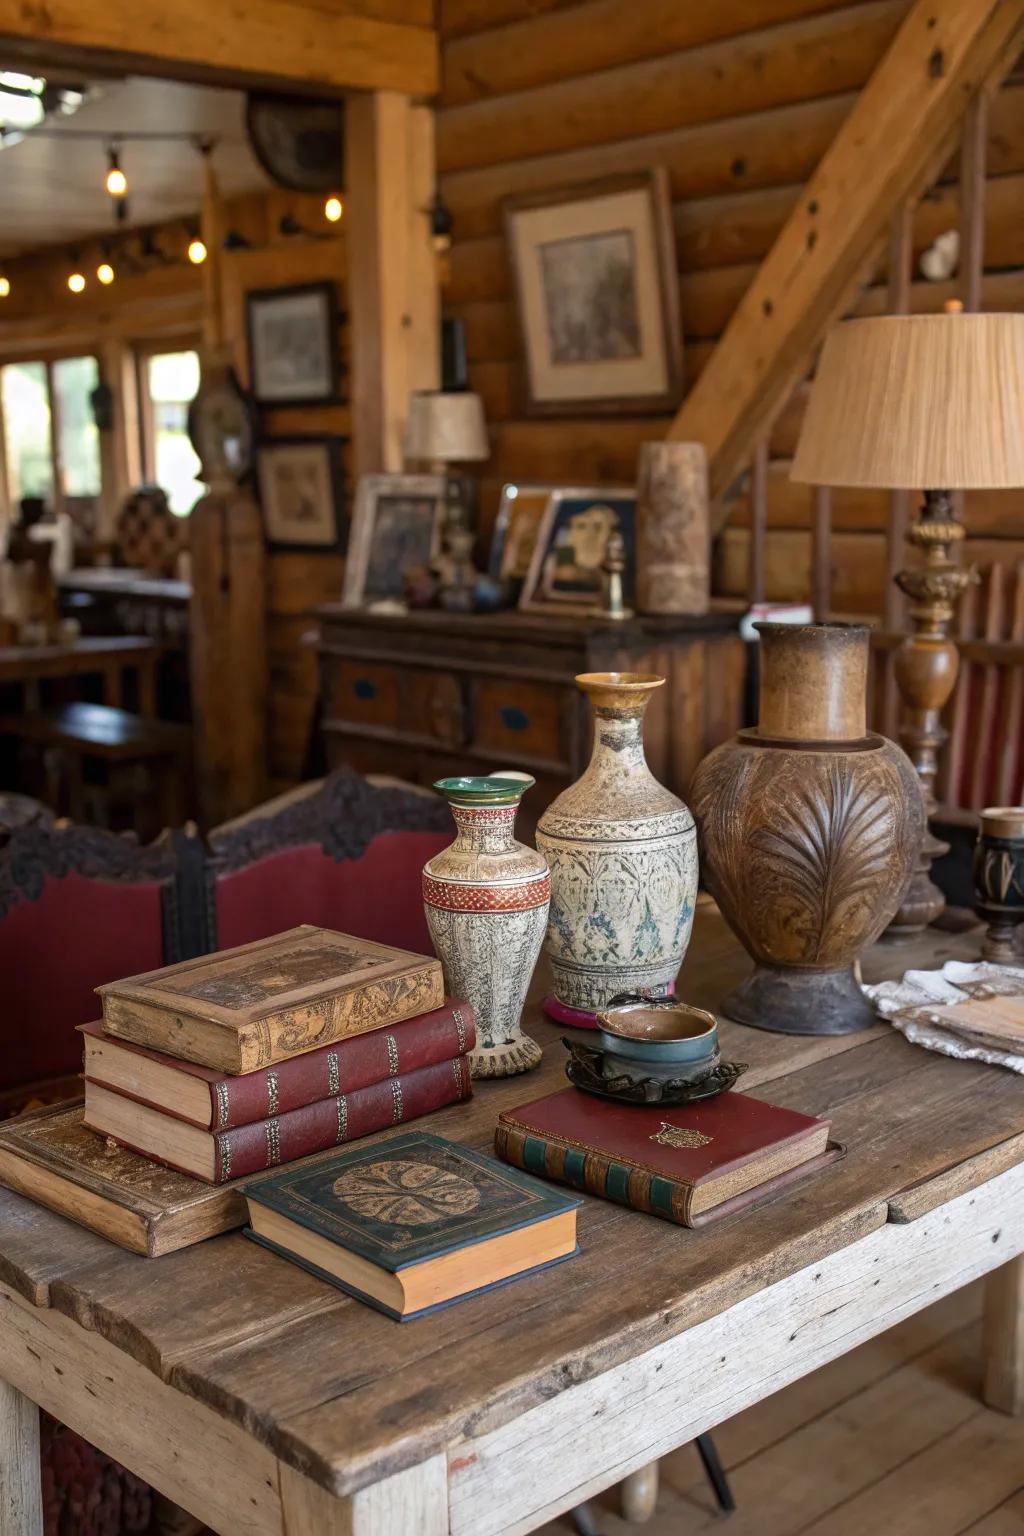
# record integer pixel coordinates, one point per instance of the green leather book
(412, 1223)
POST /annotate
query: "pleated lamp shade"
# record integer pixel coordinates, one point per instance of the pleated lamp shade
(917, 402)
(446, 427)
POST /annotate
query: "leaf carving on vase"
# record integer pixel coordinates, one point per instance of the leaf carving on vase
(827, 851)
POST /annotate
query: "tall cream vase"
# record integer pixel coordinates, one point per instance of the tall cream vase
(622, 850)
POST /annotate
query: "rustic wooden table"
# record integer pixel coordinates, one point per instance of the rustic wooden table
(108, 657)
(265, 1401)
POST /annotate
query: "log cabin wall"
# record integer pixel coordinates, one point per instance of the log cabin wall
(738, 101)
(164, 304)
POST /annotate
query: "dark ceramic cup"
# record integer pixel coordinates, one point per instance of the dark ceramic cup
(999, 880)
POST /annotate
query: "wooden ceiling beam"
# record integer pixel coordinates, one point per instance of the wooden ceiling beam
(896, 137)
(290, 44)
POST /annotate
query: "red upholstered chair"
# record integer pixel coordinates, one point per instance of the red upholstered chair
(78, 907)
(344, 854)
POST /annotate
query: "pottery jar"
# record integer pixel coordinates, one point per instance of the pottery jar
(623, 856)
(486, 902)
(809, 829)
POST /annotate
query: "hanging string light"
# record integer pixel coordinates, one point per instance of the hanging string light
(334, 209)
(196, 251)
(117, 181)
(76, 281)
(5, 286)
(105, 273)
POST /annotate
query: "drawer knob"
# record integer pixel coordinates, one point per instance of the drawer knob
(513, 718)
(363, 688)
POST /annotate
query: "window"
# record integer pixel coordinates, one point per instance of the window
(169, 381)
(50, 437)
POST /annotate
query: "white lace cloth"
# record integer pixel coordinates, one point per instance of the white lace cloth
(957, 982)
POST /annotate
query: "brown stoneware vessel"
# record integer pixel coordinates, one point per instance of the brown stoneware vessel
(809, 828)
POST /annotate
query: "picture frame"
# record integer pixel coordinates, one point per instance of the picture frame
(396, 528)
(597, 295)
(565, 569)
(293, 344)
(301, 488)
(520, 513)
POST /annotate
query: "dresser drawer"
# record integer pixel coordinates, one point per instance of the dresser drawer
(435, 707)
(523, 719)
(363, 694)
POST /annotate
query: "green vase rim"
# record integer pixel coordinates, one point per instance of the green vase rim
(488, 789)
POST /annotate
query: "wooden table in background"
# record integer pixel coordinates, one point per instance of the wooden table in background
(108, 657)
(267, 1402)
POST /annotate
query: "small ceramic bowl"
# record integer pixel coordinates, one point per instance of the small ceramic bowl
(673, 1041)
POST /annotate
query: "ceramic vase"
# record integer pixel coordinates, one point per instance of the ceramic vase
(809, 830)
(623, 856)
(999, 881)
(486, 899)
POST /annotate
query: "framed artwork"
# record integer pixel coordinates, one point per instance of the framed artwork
(565, 569)
(598, 296)
(293, 344)
(396, 528)
(516, 527)
(302, 493)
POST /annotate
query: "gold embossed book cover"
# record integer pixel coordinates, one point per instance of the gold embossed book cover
(246, 1008)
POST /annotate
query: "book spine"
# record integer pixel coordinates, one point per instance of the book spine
(343, 1068)
(332, 1122)
(594, 1174)
(371, 1006)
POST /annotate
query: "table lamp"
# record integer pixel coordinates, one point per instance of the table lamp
(446, 428)
(931, 403)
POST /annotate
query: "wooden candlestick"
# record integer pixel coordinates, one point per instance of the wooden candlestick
(925, 667)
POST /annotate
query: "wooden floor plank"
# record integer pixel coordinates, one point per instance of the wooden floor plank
(1006, 1520)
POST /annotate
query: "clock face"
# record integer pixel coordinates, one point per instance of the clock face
(222, 430)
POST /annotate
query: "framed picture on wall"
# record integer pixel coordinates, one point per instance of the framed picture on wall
(598, 296)
(293, 344)
(302, 492)
(565, 569)
(396, 528)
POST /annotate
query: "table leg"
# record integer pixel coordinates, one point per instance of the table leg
(1004, 1338)
(21, 1495)
(113, 685)
(638, 1494)
(412, 1501)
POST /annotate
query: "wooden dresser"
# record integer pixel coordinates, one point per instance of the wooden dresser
(427, 694)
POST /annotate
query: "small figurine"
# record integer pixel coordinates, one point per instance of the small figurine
(612, 568)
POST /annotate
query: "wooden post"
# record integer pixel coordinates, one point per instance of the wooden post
(821, 547)
(758, 523)
(1004, 1338)
(227, 614)
(21, 1497)
(394, 306)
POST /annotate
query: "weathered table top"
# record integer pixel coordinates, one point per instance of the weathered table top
(350, 1397)
(91, 653)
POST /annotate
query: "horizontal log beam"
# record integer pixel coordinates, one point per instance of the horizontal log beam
(288, 42)
(901, 128)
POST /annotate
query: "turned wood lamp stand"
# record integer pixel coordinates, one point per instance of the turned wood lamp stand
(906, 402)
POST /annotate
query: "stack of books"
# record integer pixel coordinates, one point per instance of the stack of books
(233, 1063)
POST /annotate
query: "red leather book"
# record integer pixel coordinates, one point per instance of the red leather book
(216, 1156)
(218, 1102)
(687, 1164)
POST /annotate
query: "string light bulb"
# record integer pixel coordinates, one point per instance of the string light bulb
(5, 286)
(105, 273)
(196, 252)
(117, 181)
(334, 209)
(76, 282)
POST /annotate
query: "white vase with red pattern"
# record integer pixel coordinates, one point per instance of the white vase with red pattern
(486, 898)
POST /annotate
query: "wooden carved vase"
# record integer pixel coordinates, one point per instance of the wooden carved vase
(623, 855)
(486, 901)
(809, 829)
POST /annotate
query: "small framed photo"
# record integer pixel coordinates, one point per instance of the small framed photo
(520, 513)
(302, 492)
(396, 528)
(565, 570)
(598, 296)
(293, 344)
